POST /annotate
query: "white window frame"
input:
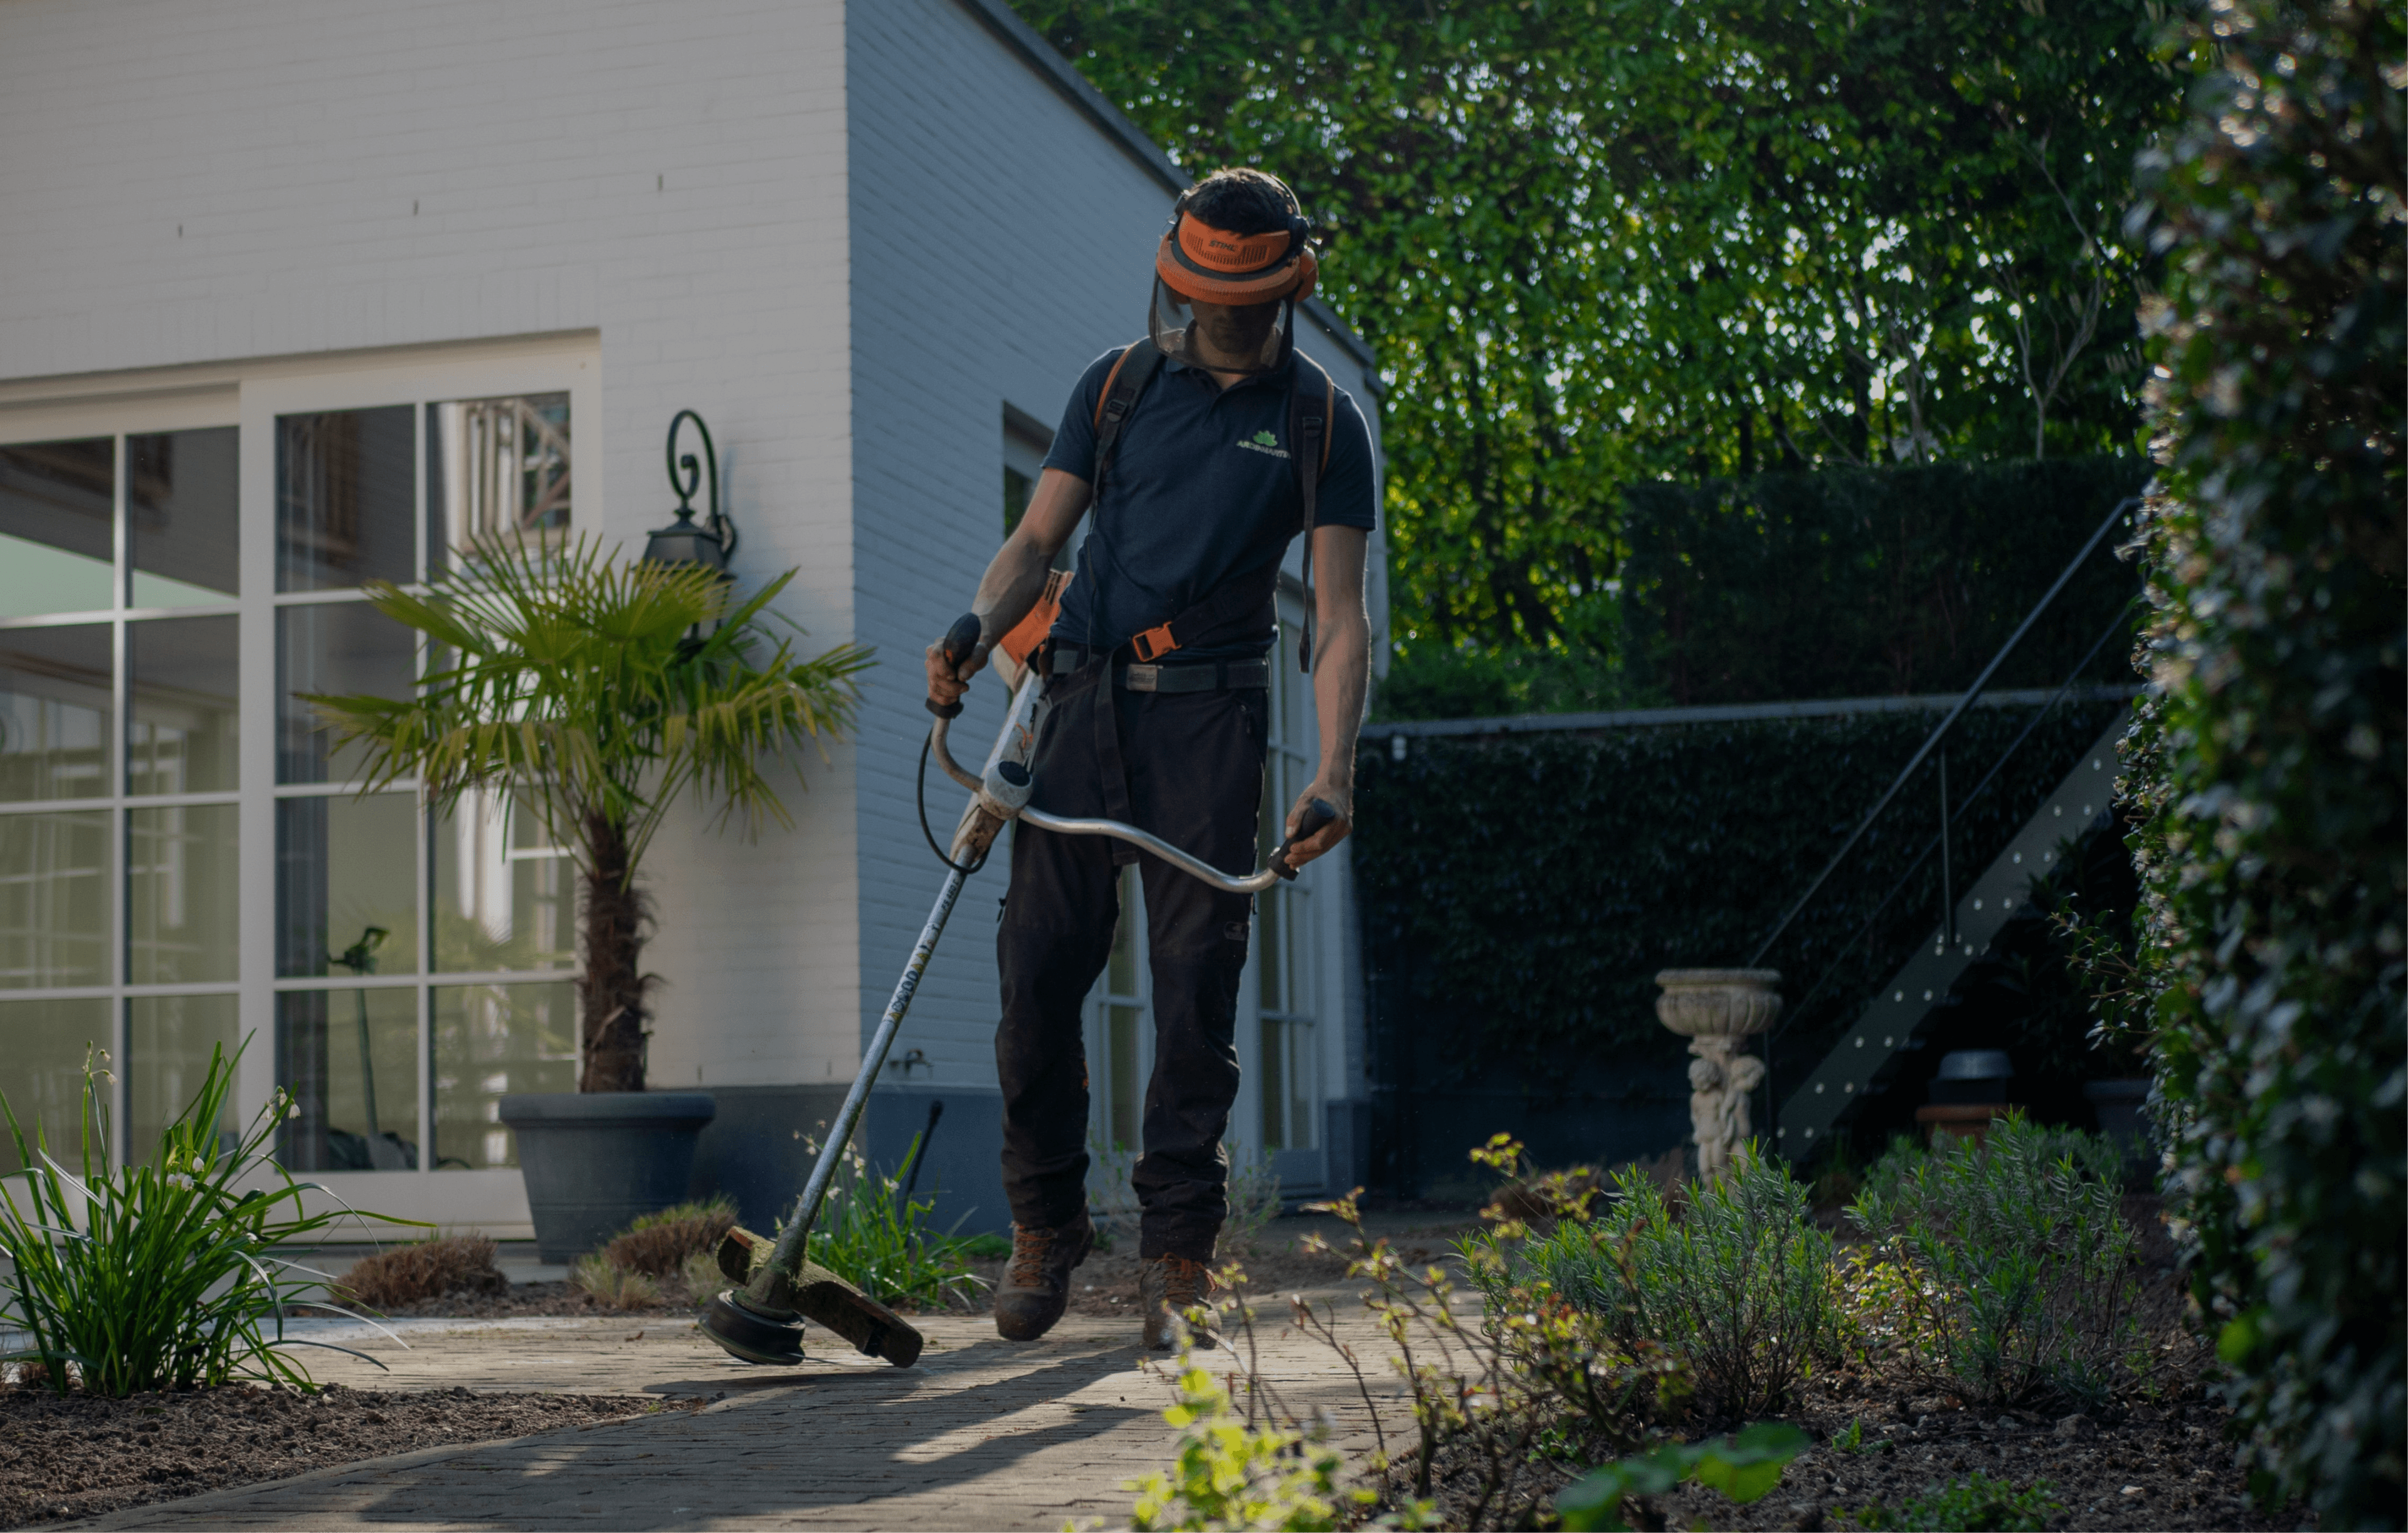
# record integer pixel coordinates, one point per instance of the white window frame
(251, 396)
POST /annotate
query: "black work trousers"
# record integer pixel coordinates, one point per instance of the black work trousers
(1195, 773)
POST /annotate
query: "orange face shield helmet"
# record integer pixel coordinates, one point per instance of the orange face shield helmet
(1198, 263)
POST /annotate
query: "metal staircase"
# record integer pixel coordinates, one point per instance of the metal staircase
(1889, 1021)
(1971, 920)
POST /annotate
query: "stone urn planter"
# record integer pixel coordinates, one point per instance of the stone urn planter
(1718, 1011)
(592, 1161)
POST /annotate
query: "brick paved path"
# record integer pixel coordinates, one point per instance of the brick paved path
(983, 1434)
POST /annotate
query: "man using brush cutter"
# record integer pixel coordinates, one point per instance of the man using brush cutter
(1203, 450)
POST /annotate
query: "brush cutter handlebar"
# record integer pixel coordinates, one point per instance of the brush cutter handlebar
(1003, 792)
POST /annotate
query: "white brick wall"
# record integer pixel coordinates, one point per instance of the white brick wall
(847, 238)
(201, 180)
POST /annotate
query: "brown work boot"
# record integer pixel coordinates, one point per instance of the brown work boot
(1166, 1288)
(1036, 1287)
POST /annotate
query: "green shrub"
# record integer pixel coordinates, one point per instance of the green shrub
(2270, 759)
(162, 1275)
(1975, 1504)
(1738, 1286)
(2025, 1286)
(1231, 1474)
(1742, 1467)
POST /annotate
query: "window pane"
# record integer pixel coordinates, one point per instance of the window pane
(42, 1049)
(180, 503)
(167, 1043)
(349, 1058)
(180, 894)
(346, 877)
(342, 649)
(495, 466)
(54, 899)
(181, 735)
(54, 708)
(343, 498)
(500, 902)
(58, 517)
(493, 1041)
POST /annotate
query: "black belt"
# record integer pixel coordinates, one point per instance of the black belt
(1199, 676)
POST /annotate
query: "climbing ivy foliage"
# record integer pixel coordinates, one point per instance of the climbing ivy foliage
(2268, 759)
(1602, 242)
(1520, 893)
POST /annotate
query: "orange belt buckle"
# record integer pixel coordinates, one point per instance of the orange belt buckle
(1153, 643)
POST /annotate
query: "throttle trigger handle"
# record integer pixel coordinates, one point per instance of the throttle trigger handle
(1317, 813)
(960, 639)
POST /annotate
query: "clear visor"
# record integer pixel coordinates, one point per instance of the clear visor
(1253, 339)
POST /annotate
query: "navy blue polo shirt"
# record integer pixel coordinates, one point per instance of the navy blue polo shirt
(1201, 492)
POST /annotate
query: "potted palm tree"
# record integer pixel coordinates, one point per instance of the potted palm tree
(597, 692)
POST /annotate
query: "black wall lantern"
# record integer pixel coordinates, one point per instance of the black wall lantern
(711, 543)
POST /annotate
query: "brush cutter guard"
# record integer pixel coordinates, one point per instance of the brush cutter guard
(761, 1320)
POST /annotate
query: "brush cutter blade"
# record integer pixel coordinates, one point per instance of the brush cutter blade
(816, 1294)
(755, 1339)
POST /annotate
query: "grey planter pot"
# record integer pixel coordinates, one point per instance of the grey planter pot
(594, 1161)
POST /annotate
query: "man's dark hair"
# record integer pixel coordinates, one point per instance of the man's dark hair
(1240, 200)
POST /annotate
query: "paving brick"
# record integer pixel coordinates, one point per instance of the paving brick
(982, 1433)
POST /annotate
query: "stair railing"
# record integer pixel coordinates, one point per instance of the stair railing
(1950, 813)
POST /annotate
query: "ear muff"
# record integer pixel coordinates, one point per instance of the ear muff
(1219, 267)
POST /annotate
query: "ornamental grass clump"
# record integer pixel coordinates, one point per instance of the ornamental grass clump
(2018, 1274)
(660, 1244)
(425, 1270)
(1739, 1285)
(160, 1275)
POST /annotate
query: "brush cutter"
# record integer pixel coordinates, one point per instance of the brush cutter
(761, 1320)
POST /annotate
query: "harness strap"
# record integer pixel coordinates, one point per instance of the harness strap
(1132, 370)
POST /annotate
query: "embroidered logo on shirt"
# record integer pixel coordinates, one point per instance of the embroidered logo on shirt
(1264, 441)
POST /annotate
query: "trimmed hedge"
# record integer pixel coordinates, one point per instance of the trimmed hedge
(1528, 887)
(2270, 764)
(1857, 583)
(1843, 583)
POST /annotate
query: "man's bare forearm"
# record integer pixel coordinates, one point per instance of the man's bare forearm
(1340, 679)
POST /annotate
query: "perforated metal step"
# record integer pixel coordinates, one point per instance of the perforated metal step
(1903, 1005)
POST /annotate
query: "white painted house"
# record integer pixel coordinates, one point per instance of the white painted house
(292, 291)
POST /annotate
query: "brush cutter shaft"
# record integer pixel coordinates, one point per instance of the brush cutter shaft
(792, 1245)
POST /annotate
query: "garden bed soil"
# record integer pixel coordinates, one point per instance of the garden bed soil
(526, 1300)
(2153, 1467)
(80, 1456)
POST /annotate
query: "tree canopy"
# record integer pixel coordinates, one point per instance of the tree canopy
(1601, 242)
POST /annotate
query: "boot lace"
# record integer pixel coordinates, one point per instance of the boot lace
(1029, 1250)
(1184, 1283)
